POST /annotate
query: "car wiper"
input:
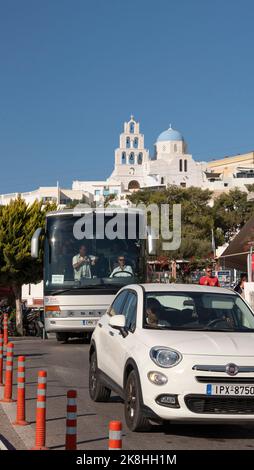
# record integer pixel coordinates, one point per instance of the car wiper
(63, 291)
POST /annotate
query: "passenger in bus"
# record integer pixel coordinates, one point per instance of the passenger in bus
(82, 263)
(122, 270)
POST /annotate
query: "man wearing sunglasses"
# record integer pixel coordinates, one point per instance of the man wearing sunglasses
(209, 279)
(122, 270)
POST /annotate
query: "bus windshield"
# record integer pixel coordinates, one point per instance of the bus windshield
(72, 263)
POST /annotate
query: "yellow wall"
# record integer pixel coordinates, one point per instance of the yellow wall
(228, 165)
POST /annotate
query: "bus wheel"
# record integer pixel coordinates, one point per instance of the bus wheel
(62, 337)
(87, 338)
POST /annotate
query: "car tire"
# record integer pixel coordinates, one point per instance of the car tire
(62, 337)
(97, 391)
(134, 416)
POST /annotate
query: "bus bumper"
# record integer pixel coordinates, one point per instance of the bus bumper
(55, 325)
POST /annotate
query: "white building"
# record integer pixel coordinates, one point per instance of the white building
(45, 194)
(134, 169)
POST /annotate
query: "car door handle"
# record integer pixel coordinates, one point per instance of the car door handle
(100, 325)
(111, 333)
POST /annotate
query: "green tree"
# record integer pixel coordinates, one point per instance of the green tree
(231, 211)
(108, 199)
(197, 217)
(18, 221)
(75, 202)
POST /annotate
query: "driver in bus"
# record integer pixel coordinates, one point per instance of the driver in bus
(122, 270)
(82, 263)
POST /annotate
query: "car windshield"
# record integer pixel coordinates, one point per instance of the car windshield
(72, 264)
(197, 311)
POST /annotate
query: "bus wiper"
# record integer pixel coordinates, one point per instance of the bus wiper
(63, 291)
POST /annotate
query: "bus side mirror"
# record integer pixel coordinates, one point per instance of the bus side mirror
(151, 242)
(35, 243)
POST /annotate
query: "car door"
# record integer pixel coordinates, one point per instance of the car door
(123, 345)
(105, 343)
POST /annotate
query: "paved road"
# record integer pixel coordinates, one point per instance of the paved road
(67, 367)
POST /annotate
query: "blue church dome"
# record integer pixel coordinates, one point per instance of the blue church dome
(170, 134)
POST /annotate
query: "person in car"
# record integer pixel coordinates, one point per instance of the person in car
(122, 270)
(155, 314)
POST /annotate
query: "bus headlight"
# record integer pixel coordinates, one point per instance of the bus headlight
(52, 311)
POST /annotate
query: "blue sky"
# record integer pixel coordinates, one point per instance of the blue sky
(72, 71)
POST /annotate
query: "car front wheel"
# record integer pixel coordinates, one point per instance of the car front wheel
(134, 416)
(97, 391)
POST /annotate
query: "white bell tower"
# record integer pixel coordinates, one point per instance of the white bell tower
(131, 157)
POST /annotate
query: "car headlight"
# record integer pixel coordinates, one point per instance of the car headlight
(165, 357)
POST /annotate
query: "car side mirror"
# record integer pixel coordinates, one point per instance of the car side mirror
(118, 322)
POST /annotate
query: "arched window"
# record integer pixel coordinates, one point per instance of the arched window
(132, 127)
(131, 159)
(175, 148)
(133, 185)
(185, 165)
(162, 180)
(128, 142)
(180, 165)
(140, 158)
(123, 158)
(135, 143)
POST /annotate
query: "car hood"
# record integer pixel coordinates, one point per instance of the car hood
(201, 342)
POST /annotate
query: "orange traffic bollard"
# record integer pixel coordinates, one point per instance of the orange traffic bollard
(5, 324)
(71, 421)
(8, 374)
(1, 358)
(40, 432)
(21, 398)
(115, 435)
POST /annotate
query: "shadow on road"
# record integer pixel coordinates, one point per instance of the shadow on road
(215, 432)
(64, 417)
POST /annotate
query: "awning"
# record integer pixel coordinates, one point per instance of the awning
(235, 255)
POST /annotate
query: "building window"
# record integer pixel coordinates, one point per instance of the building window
(131, 159)
(123, 158)
(162, 180)
(131, 127)
(180, 165)
(175, 148)
(128, 142)
(140, 159)
(185, 165)
(136, 143)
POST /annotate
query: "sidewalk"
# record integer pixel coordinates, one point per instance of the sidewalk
(7, 433)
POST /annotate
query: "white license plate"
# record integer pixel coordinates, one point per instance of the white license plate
(89, 322)
(230, 389)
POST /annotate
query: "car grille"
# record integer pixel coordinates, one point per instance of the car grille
(219, 405)
(224, 380)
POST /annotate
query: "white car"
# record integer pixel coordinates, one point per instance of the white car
(175, 352)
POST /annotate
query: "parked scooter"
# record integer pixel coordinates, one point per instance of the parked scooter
(32, 324)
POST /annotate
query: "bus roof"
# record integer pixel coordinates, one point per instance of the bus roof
(99, 210)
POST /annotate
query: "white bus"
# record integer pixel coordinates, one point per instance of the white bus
(76, 294)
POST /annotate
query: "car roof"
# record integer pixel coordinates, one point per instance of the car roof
(156, 287)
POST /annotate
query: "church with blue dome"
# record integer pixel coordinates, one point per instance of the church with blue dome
(171, 164)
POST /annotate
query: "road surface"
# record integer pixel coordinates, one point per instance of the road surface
(67, 368)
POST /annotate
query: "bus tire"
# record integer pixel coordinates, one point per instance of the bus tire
(62, 337)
